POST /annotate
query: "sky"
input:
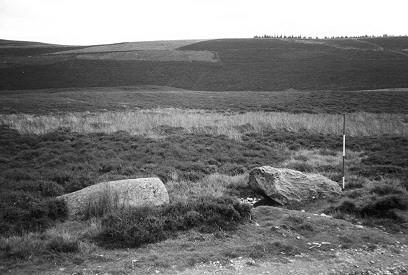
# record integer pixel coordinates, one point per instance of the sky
(90, 22)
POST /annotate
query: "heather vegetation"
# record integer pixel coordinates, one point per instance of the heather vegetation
(245, 65)
(133, 228)
(57, 101)
(202, 146)
(64, 161)
(203, 158)
(37, 167)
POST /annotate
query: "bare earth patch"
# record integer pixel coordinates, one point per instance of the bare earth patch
(278, 241)
(356, 261)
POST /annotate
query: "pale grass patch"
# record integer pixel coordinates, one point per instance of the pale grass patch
(146, 122)
(214, 185)
(316, 159)
(103, 202)
(63, 233)
(94, 228)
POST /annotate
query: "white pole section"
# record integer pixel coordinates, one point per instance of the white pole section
(344, 147)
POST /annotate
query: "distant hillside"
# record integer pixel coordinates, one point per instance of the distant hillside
(215, 65)
(11, 48)
(13, 43)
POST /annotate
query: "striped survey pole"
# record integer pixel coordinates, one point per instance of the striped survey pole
(344, 147)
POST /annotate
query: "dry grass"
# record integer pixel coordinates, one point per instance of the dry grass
(154, 55)
(63, 238)
(147, 122)
(103, 202)
(133, 46)
(322, 160)
(214, 185)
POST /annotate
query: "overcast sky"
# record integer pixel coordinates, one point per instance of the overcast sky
(85, 22)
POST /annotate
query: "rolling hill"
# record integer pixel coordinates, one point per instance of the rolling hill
(212, 65)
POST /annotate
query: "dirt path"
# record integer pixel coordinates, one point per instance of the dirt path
(350, 261)
(378, 47)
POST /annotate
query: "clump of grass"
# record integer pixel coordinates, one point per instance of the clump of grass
(63, 244)
(355, 182)
(50, 243)
(214, 185)
(103, 202)
(21, 247)
(137, 226)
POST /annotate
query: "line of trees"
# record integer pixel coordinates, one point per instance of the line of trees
(326, 37)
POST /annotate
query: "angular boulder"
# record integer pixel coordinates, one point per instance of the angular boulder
(288, 187)
(123, 193)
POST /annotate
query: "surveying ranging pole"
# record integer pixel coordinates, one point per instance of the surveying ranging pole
(344, 146)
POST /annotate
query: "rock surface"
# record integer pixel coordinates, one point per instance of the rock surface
(128, 192)
(286, 186)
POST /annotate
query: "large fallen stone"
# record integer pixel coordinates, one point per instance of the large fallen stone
(121, 193)
(286, 186)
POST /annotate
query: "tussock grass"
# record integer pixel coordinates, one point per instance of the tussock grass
(102, 203)
(153, 122)
(49, 244)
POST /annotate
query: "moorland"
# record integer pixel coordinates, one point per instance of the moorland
(199, 115)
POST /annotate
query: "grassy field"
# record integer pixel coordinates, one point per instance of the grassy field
(154, 123)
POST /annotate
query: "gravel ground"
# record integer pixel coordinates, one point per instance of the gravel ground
(351, 261)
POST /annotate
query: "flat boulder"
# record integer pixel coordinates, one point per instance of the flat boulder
(289, 187)
(122, 193)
